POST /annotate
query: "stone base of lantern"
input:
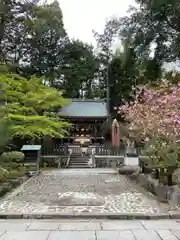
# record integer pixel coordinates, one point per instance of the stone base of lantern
(129, 170)
(131, 160)
(134, 155)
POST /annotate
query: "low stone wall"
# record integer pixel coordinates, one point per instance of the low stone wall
(10, 184)
(53, 161)
(117, 162)
(109, 161)
(164, 193)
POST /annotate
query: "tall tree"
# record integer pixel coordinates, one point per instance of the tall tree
(78, 69)
(119, 68)
(36, 43)
(104, 53)
(8, 8)
(122, 77)
(33, 107)
(48, 38)
(34, 38)
(155, 32)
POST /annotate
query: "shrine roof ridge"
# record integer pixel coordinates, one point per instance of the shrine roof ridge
(91, 108)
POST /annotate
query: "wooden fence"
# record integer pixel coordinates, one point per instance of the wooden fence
(62, 149)
(53, 150)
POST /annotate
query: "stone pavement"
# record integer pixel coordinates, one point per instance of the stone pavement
(89, 230)
(85, 191)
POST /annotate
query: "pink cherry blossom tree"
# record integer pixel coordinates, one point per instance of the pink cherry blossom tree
(155, 112)
(154, 116)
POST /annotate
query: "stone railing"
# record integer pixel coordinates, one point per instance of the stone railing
(109, 161)
(75, 149)
(69, 157)
(92, 157)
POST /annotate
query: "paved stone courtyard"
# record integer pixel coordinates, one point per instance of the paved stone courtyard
(80, 191)
(89, 230)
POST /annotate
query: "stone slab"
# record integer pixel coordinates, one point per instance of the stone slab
(142, 234)
(119, 225)
(1, 233)
(72, 235)
(43, 226)
(13, 226)
(25, 236)
(79, 226)
(114, 235)
(176, 233)
(16, 221)
(166, 235)
(161, 224)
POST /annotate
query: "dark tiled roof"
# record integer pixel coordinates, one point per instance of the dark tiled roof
(85, 108)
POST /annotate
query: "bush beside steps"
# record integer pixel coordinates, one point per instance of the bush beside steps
(8, 185)
(12, 171)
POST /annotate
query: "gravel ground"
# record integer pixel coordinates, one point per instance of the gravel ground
(76, 191)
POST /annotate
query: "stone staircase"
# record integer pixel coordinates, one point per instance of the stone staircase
(78, 161)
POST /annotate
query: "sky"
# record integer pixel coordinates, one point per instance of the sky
(82, 16)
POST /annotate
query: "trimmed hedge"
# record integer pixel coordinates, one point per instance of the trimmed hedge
(10, 184)
(13, 156)
(3, 174)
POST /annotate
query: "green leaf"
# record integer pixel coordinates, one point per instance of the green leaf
(33, 107)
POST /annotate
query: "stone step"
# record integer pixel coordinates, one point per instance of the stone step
(74, 163)
(78, 155)
(78, 163)
(78, 166)
(85, 163)
(79, 160)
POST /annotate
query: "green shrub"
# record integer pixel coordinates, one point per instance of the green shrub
(5, 189)
(13, 156)
(15, 174)
(2, 178)
(10, 165)
(3, 174)
(50, 162)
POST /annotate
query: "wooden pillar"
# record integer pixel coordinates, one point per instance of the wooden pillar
(93, 130)
(100, 128)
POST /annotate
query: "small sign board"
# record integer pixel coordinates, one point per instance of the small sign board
(32, 155)
(31, 148)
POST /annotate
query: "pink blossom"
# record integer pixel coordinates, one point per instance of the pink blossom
(155, 111)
